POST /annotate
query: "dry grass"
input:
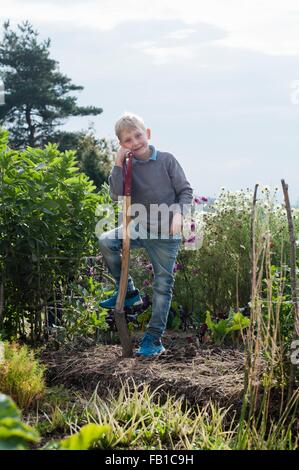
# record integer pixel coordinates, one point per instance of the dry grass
(211, 374)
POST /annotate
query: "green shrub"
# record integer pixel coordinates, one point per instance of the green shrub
(21, 375)
(47, 225)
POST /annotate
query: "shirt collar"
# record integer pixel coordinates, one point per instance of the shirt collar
(152, 157)
(154, 153)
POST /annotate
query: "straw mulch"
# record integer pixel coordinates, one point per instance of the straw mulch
(198, 373)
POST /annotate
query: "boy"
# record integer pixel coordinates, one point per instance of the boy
(157, 179)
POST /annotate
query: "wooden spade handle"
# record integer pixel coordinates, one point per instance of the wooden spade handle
(119, 313)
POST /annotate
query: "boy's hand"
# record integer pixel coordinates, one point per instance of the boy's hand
(121, 155)
(177, 224)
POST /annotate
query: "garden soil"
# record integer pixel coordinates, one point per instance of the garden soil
(198, 373)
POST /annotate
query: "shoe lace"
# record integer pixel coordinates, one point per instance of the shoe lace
(147, 340)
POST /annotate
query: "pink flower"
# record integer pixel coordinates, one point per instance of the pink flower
(198, 200)
(149, 267)
(146, 283)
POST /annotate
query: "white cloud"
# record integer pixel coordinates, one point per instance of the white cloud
(218, 103)
(263, 25)
(163, 55)
(181, 33)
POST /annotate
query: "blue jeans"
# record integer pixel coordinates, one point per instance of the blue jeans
(162, 254)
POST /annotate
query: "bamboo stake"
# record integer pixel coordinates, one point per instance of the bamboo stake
(249, 350)
(253, 277)
(252, 242)
(293, 278)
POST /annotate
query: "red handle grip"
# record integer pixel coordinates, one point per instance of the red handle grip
(127, 172)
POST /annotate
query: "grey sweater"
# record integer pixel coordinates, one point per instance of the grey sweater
(158, 180)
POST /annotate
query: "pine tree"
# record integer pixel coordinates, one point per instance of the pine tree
(37, 94)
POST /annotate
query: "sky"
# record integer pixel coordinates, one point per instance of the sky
(217, 82)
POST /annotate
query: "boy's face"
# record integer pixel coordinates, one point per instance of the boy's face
(136, 140)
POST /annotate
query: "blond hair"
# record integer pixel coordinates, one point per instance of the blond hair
(128, 121)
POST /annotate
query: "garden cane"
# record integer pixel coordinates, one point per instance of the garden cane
(119, 314)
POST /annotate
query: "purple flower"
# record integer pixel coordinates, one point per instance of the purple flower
(149, 267)
(204, 199)
(146, 283)
(191, 239)
(192, 227)
(177, 267)
(196, 200)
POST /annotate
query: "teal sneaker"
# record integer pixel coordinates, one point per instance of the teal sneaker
(132, 298)
(150, 346)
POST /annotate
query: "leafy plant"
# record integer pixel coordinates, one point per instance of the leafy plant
(144, 317)
(14, 435)
(174, 321)
(220, 329)
(83, 440)
(84, 315)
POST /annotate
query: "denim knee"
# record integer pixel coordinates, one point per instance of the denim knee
(164, 284)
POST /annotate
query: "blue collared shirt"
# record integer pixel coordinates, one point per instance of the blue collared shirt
(154, 153)
(152, 157)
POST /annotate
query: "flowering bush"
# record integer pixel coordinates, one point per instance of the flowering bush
(217, 276)
(193, 228)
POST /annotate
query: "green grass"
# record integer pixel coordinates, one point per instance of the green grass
(139, 418)
(21, 375)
